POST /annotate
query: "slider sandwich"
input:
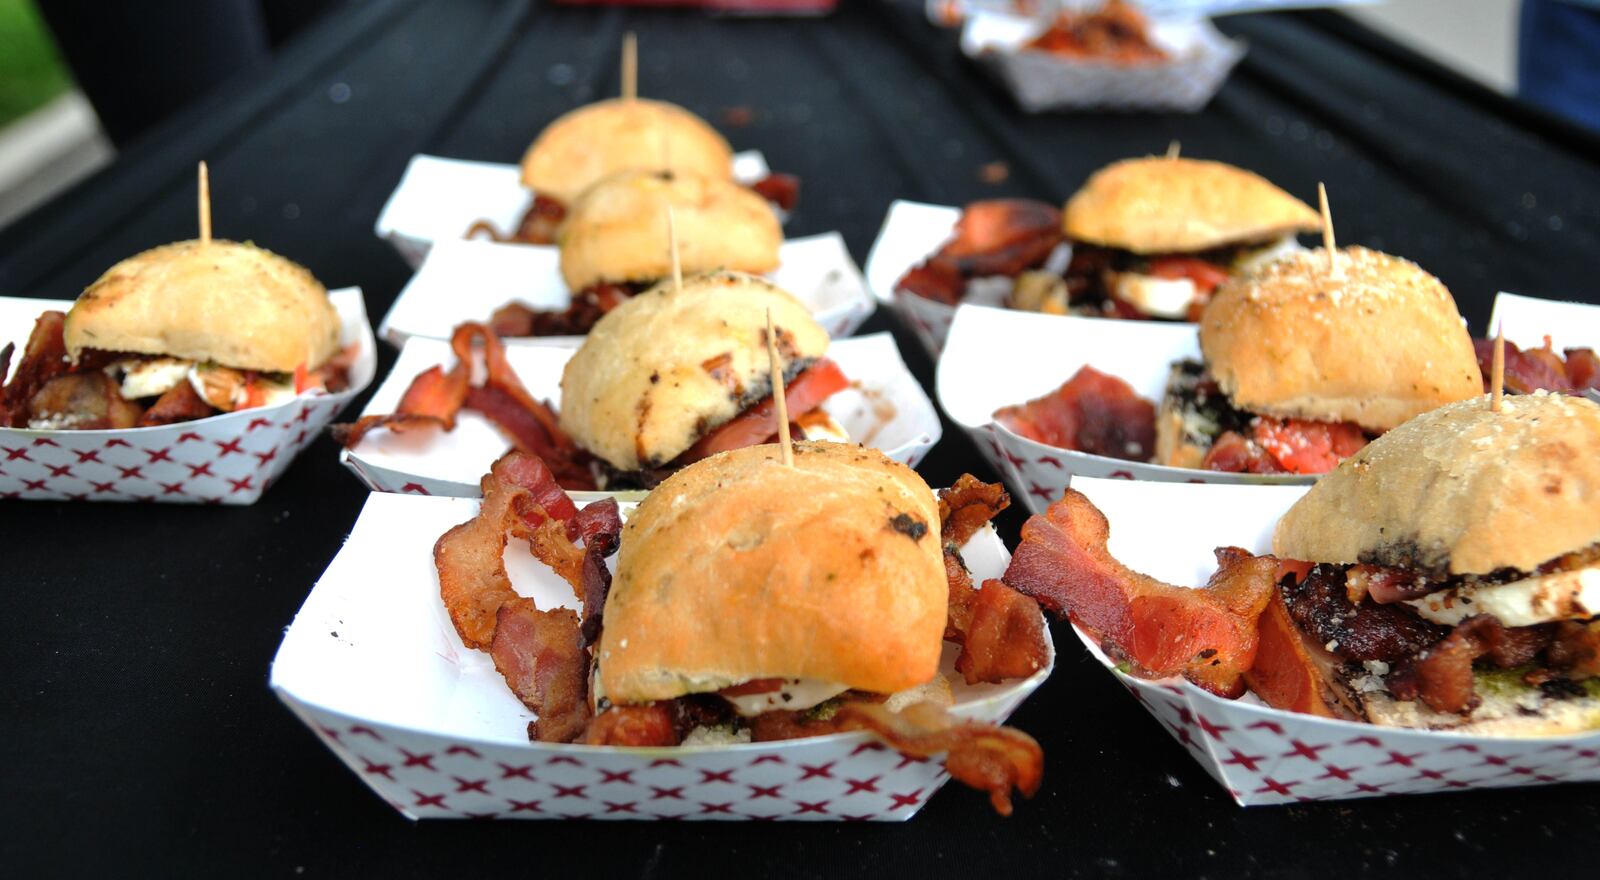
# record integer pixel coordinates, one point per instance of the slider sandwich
(1154, 237)
(674, 375)
(614, 243)
(1302, 365)
(179, 332)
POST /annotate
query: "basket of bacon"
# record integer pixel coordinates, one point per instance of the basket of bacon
(797, 640)
(669, 377)
(193, 372)
(1289, 372)
(1143, 239)
(1422, 619)
(1105, 58)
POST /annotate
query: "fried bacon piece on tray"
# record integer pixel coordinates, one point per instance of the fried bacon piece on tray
(181, 404)
(1526, 371)
(1001, 631)
(1091, 412)
(542, 654)
(992, 237)
(1442, 676)
(987, 757)
(1208, 634)
(44, 358)
(435, 397)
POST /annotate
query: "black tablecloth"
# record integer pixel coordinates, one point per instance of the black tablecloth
(138, 730)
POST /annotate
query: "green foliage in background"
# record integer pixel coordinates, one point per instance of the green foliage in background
(30, 71)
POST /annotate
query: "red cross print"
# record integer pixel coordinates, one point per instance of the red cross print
(465, 785)
(1300, 749)
(657, 793)
(905, 800)
(863, 785)
(823, 770)
(463, 750)
(428, 800)
(709, 776)
(564, 791)
(508, 771)
(424, 760)
(616, 776)
(757, 791)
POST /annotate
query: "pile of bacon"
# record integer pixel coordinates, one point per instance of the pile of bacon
(1287, 630)
(47, 388)
(436, 396)
(998, 237)
(1542, 368)
(545, 655)
(1116, 33)
(1091, 412)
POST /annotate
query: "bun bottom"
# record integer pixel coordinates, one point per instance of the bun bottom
(1509, 707)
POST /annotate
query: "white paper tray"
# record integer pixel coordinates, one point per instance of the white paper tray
(1044, 351)
(912, 232)
(373, 666)
(224, 459)
(889, 411)
(438, 199)
(467, 280)
(1268, 756)
(1200, 58)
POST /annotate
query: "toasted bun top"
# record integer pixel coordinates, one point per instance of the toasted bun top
(738, 568)
(235, 304)
(1462, 490)
(617, 230)
(1376, 346)
(667, 366)
(593, 141)
(1159, 205)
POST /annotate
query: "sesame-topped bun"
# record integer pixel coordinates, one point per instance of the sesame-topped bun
(617, 230)
(666, 367)
(1375, 345)
(739, 568)
(1460, 490)
(1160, 205)
(232, 304)
(593, 141)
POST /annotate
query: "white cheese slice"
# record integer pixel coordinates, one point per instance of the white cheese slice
(793, 695)
(1161, 297)
(818, 425)
(152, 377)
(1562, 595)
(1249, 261)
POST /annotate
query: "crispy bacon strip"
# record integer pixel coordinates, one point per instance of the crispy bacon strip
(1443, 673)
(86, 401)
(44, 358)
(966, 506)
(600, 524)
(647, 725)
(780, 189)
(1004, 636)
(1092, 412)
(1575, 648)
(985, 756)
(1290, 673)
(992, 237)
(1208, 634)
(181, 404)
(585, 310)
(433, 398)
(963, 596)
(542, 657)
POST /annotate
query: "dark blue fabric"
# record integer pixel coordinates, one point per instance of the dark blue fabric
(1558, 59)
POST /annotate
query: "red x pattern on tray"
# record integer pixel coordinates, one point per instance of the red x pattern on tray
(831, 779)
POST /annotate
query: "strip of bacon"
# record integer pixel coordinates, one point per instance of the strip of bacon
(992, 237)
(1288, 673)
(1092, 412)
(1575, 648)
(542, 657)
(1443, 674)
(600, 524)
(83, 402)
(585, 309)
(43, 358)
(433, 398)
(967, 506)
(984, 756)
(1533, 369)
(647, 725)
(181, 404)
(759, 422)
(780, 189)
(1208, 635)
(1004, 636)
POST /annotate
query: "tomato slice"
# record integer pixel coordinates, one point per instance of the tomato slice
(803, 394)
(1306, 447)
(1206, 276)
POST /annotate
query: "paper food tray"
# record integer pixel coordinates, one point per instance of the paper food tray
(439, 199)
(1263, 755)
(373, 666)
(1045, 350)
(912, 232)
(1200, 58)
(889, 411)
(467, 280)
(224, 459)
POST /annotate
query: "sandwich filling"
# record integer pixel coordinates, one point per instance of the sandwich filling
(111, 390)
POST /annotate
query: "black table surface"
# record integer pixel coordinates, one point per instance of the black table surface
(138, 731)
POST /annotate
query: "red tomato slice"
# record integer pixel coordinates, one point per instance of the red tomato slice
(1306, 447)
(803, 394)
(1206, 276)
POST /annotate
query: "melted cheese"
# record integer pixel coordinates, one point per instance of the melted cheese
(1562, 595)
(152, 377)
(1249, 261)
(818, 425)
(1162, 297)
(793, 695)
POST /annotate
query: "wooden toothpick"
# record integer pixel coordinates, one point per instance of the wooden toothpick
(205, 204)
(1327, 233)
(630, 66)
(1173, 149)
(672, 252)
(1497, 372)
(784, 440)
